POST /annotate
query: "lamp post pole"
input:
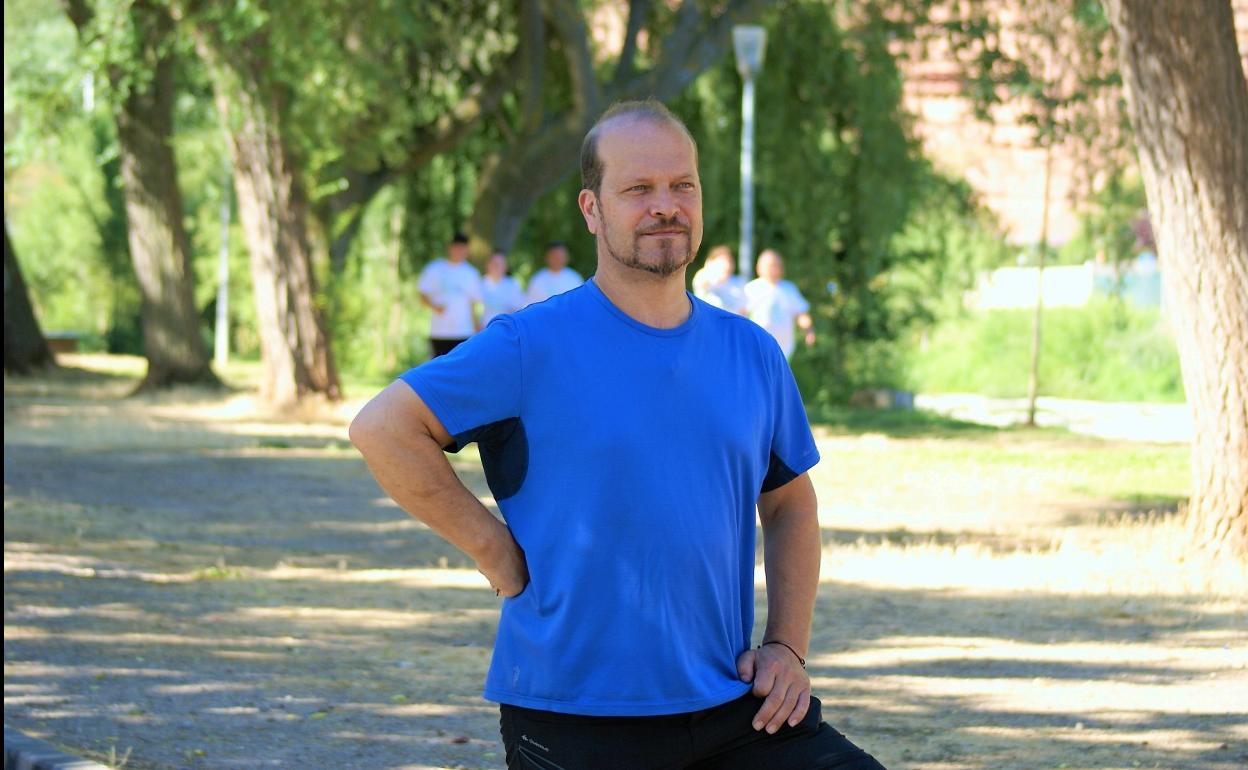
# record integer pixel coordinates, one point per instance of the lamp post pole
(749, 44)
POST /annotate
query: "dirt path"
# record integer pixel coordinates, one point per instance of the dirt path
(190, 586)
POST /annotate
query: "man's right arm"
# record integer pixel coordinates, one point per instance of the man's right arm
(427, 301)
(401, 440)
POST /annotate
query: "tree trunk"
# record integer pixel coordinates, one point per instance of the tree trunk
(172, 338)
(274, 214)
(159, 247)
(1189, 107)
(25, 348)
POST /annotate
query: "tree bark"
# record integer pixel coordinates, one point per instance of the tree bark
(25, 348)
(159, 247)
(1189, 108)
(273, 210)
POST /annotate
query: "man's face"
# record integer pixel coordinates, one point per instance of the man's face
(557, 258)
(457, 252)
(770, 267)
(648, 215)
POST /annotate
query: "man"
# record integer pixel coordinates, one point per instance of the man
(775, 304)
(451, 288)
(718, 283)
(556, 277)
(499, 291)
(627, 456)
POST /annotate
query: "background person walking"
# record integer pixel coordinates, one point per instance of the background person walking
(500, 293)
(776, 304)
(556, 277)
(451, 288)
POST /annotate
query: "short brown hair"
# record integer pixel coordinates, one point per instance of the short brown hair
(650, 110)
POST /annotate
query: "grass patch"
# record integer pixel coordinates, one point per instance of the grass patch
(1105, 351)
(897, 423)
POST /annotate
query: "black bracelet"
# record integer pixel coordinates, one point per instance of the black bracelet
(800, 659)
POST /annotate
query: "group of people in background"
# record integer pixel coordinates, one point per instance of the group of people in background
(463, 301)
(769, 301)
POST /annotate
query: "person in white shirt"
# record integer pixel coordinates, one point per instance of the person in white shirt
(717, 282)
(500, 293)
(451, 288)
(775, 304)
(556, 277)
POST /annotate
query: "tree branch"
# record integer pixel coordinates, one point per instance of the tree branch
(686, 53)
(638, 10)
(533, 57)
(569, 24)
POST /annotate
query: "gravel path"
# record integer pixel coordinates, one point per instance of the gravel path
(212, 595)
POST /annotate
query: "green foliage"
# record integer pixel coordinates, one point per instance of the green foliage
(1107, 223)
(1108, 351)
(377, 324)
(842, 192)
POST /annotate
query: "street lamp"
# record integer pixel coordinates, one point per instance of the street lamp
(750, 43)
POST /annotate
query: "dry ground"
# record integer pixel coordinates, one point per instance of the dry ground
(191, 585)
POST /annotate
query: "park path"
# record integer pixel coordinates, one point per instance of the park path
(193, 586)
(1123, 420)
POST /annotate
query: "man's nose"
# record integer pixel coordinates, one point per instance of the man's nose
(662, 204)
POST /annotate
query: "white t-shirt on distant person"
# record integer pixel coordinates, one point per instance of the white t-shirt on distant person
(501, 296)
(775, 307)
(456, 286)
(546, 283)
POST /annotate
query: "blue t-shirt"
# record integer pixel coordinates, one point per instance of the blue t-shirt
(627, 461)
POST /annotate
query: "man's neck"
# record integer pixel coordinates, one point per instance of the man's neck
(657, 301)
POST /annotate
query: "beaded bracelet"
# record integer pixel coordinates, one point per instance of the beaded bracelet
(800, 659)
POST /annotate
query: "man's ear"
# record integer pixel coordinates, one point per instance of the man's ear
(588, 204)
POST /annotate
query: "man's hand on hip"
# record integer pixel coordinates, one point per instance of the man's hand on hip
(778, 677)
(505, 567)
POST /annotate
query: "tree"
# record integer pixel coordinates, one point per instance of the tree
(142, 79)
(541, 139)
(25, 348)
(1189, 109)
(272, 202)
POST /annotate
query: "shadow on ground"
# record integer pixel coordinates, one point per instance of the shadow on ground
(260, 607)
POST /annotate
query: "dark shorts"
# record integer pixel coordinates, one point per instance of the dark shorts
(719, 738)
(442, 347)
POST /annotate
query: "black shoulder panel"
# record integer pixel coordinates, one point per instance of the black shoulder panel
(778, 474)
(504, 454)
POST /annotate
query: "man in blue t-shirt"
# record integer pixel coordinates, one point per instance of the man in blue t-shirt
(628, 432)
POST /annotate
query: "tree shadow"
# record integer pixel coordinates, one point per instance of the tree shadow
(260, 605)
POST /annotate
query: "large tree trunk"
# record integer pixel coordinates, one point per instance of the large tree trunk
(172, 339)
(25, 349)
(274, 214)
(159, 247)
(1189, 107)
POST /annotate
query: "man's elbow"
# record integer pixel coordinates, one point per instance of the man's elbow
(366, 429)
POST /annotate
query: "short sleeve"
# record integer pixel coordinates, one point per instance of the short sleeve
(429, 278)
(474, 390)
(800, 305)
(793, 450)
(474, 287)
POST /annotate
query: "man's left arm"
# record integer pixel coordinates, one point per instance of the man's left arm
(791, 554)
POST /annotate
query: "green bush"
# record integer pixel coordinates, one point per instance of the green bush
(1108, 350)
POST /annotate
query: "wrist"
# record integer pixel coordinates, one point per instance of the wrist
(800, 659)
